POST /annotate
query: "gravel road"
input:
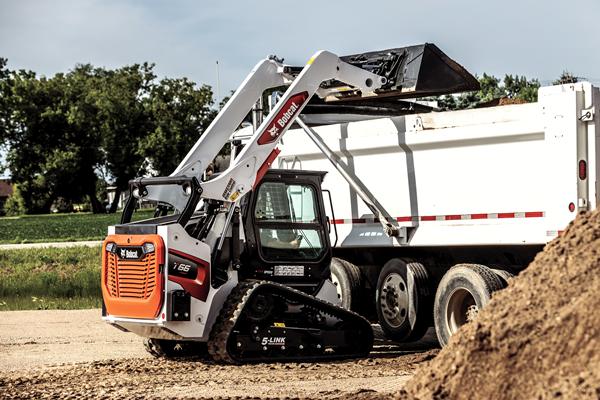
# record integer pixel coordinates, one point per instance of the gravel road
(72, 354)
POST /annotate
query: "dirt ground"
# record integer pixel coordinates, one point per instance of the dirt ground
(536, 339)
(72, 354)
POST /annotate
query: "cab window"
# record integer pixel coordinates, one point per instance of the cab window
(288, 222)
(280, 202)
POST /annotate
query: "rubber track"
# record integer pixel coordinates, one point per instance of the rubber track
(232, 309)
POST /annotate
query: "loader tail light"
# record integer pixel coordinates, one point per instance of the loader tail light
(582, 169)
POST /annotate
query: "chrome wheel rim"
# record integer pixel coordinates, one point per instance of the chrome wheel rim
(336, 283)
(462, 308)
(393, 300)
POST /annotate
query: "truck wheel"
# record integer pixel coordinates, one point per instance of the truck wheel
(461, 293)
(163, 348)
(504, 275)
(347, 280)
(403, 300)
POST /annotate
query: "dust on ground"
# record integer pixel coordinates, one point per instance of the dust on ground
(539, 338)
(72, 354)
(31, 339)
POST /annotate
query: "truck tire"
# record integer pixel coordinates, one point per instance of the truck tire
(403, 300)
(504, 275)
(348, 282)
(462, 292)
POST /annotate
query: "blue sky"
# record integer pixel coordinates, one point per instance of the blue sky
(186, 38)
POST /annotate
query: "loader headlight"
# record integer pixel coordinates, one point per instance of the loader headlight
(148, 248)
(139, 192)
(111, 247)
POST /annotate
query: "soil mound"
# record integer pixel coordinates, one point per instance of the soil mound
(539, 338)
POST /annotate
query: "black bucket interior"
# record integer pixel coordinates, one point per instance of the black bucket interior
(412, 72)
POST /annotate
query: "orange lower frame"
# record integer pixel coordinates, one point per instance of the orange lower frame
(133, 288)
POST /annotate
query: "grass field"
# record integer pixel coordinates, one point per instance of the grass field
(59, 227)
(50, 278)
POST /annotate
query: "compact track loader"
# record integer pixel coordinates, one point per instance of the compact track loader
(241, 269)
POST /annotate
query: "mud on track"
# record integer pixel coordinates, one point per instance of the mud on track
(72, 354)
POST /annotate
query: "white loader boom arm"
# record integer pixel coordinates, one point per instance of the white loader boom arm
(250, 165)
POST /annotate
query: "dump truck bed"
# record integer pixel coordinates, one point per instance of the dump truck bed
(515, 174)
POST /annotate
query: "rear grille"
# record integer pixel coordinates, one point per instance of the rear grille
(131, 278)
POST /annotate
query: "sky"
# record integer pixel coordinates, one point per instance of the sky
(538, 39)
(187, 38)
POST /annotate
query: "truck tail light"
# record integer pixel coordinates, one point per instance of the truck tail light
(582, 169)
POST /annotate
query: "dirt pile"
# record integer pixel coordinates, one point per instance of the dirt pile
(539, 338)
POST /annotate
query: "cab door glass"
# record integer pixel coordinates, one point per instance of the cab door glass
(302, 202)
(279, 202)
(290, 208)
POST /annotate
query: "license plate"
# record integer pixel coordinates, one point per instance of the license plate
(288, 270)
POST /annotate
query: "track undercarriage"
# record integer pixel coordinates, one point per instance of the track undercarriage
(267, 322)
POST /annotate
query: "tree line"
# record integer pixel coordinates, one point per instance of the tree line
(69, 136)
(66, 136)
(518, 89)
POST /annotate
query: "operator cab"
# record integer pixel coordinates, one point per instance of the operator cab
(286, 231)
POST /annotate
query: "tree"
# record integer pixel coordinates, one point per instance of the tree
(78, 157)
(565, 78)
(125, 121)
(519, 87)
(512, 87)
(65, 131)
(180, 112)
(489, 88)
(14, 204)
(27, 101)
(50, 127)
(4, 109)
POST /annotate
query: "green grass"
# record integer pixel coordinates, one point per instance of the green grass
(49, 303)
(60, 227)
(50, 278)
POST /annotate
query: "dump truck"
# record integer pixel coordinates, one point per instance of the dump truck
(381, 210)
(479, 192)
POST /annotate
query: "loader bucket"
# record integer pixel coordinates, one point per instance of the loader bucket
(413, 71)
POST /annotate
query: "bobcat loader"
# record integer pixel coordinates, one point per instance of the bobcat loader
(241, 269)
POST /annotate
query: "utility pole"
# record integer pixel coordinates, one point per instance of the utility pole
(218, 84)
